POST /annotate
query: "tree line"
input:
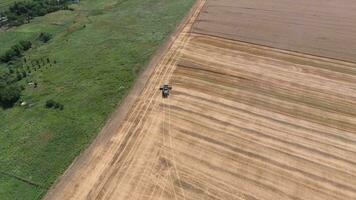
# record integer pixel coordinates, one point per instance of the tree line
(16, 51)
(24, 11)
(11, 84)
(10, 87)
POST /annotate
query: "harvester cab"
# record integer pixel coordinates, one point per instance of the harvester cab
(165, 90)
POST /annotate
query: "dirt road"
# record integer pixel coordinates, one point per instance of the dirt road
(243, 122)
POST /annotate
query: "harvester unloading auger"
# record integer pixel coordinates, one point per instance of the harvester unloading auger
(165, 90)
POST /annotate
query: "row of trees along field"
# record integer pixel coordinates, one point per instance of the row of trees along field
(10, 82)
(16, 51)
(23, 11)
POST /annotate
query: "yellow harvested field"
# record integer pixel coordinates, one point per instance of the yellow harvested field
(243, 122)
(317, 27)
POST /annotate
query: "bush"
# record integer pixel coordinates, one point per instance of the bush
(45, 37)
(26, 45)
(18, 76)
(9, 94)
(54, 104)
(10, 55)
(10, 91)
(15, 51)
(50, 103)
(17, 48)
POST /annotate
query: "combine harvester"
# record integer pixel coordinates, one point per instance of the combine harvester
(165, 90)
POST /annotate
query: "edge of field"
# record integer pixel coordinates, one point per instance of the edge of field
(286, 50)
(118, 116)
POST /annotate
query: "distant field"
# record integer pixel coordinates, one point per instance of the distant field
(322, 28)
(99, 49)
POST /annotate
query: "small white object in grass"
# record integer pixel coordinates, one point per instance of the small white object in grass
(23, 103)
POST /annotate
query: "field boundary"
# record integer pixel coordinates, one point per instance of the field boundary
(271, 47)
(24, 180)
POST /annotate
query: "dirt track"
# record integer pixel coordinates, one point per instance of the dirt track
(243, 122)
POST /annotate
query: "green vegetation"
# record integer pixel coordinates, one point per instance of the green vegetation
(23, 11)
(94, 56)
(53, 104)
(9, 91)
(45, 37)
(15, 51)
(10, 84)
(4, 4)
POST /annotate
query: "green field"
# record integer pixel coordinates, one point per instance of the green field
(99, 48)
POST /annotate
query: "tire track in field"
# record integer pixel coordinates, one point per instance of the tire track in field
(243, 122)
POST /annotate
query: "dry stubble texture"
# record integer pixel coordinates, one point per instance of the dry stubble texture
(317, 27)
(243, 122)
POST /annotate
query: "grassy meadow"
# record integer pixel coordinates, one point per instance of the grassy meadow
(98, 49)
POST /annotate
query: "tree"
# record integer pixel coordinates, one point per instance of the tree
(17, 48)
(21, 12)
(9, 94)
(50, 103)
(57, 105)
(19, 76)
(9, 55)
(15, 51)
(45, 37)
(26, 45)
(53, 104)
